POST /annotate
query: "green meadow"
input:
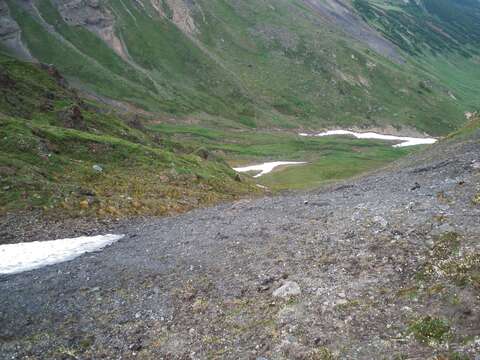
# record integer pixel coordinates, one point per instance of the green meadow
(328, 158)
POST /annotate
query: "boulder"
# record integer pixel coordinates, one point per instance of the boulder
(288, 289)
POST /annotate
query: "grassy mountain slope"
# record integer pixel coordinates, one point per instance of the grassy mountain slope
(64, 154)
(254, 64)
(442, 36)
(69, 156)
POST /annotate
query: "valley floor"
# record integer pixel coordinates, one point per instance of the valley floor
(386, 266)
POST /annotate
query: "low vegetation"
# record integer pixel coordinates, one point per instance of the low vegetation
(63, 154)
(429, 329)
(328, 158)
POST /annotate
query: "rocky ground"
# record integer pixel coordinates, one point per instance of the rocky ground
(34, 226)
(382, 267)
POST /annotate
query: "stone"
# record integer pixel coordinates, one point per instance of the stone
(380, 221)
(72, 118)
(203, 153)
(136, 346)
(289, 288)
(97, 168)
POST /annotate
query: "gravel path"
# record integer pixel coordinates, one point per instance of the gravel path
(344, 272)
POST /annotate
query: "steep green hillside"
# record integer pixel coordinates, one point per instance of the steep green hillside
(254, 64)
(427, 25)
(70, 156)
(66, 155)
(442, 37)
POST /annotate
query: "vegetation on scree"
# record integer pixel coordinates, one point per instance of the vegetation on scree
(428, 329)
(63, 154)
(449, 277)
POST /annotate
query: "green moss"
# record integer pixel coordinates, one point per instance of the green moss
(429, 329)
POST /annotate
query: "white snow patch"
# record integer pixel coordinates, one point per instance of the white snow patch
(405, 140)
(16, 258)
(267, 167)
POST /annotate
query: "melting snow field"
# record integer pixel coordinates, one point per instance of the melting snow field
(405, 141)
(16, 258)
(267, 167)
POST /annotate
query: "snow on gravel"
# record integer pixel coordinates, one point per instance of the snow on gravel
(405, 140)
(16, 258)
(267, 167)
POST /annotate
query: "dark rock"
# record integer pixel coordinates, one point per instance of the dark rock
(203, 153)
(262, 288)
(47, 106)
(87, 192)
(6, 82)
(53, 72)
(136, 123)
(415, 186)
(72, 118)
(136, 346)
(267, 280)
(430, 167)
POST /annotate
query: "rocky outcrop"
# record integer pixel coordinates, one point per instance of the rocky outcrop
(92, 15)
(10, 33)
(180, 12)
(72, 118)
(340, 14)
